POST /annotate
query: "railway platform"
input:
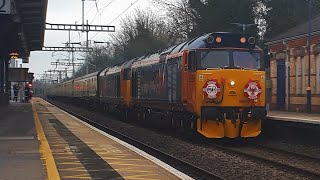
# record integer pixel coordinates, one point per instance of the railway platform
(20, 157)
(306, 118)
(66, 148)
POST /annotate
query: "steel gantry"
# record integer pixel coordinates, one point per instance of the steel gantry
(77, 27)
(69, 49)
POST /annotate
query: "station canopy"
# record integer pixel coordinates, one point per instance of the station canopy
(22, 27)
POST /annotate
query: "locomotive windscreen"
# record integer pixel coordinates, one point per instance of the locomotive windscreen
(228, 59)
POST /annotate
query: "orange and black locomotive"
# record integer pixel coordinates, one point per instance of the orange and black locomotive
(212, 83)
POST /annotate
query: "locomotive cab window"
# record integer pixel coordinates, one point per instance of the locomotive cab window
(192, 61)
(246, 59)
(214, 59)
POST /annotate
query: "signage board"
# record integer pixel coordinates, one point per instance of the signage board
(5, 6)
(18, 74)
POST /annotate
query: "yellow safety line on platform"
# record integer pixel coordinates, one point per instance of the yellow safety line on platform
(44, 148)
(78, 176)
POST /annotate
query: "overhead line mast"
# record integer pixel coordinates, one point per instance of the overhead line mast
(83, 28)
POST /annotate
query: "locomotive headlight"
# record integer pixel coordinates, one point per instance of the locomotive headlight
(243, 40)
(232, 83)
(218, 39)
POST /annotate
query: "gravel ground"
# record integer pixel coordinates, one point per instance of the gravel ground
(307, 164)
(194, 151)
(310, 150)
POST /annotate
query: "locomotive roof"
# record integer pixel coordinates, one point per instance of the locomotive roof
(128, 64)
(114, 69)
(200, 42)
(228, 40)
(147, 60)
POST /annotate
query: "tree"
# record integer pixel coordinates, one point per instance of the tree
(181, 17)
(285, 14)
(196, 17)
(218, 15)
(99, 58)
(141, 34)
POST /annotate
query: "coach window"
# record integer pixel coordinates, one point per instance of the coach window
(317, 58)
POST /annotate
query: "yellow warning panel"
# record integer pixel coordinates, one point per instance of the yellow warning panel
(251, 129)
(231, 129)
(210, 128)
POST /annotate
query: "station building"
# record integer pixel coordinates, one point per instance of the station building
(289, 68)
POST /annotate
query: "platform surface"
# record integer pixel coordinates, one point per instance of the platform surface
(294, 117)
(81, 151)
(19, 146)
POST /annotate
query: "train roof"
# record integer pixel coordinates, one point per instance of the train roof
(114, 69)
(209, 40)
(147, 60)
(87, 76)
(227, 40)
(104, 71)
(128, 64)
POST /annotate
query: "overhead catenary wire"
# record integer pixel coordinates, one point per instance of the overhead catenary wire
(133, 3)
(95, 5)
(103, 9)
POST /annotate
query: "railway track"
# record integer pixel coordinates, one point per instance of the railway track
(191, 170)
(305, 165)
(295, 154)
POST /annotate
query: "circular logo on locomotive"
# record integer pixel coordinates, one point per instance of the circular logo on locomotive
(211, 89)
(252, 90)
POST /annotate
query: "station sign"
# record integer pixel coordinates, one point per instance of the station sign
(5, 6)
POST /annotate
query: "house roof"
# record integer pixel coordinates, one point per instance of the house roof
(298, 31)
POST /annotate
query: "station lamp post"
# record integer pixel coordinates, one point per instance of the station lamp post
(309, 65)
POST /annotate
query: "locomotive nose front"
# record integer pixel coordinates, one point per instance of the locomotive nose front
(231, 102)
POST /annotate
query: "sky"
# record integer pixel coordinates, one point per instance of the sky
(99, 12)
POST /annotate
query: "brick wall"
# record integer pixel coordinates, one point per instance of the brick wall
(297, 101)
